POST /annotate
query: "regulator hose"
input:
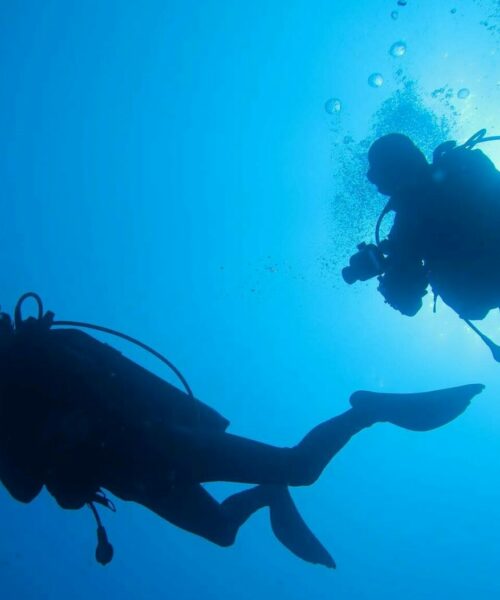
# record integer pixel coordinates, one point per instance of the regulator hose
(49, 320)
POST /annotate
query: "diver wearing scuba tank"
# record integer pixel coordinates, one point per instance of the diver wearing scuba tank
(78, 417)
(446, 230)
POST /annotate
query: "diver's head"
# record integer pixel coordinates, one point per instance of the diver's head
(395, 163)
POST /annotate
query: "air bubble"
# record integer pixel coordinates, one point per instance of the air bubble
(463, 93)
(375, 80)
(394, 15)
(333, 106)
(398, 49)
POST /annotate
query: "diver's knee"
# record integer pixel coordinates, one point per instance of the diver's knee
(302, 471)
(225, 537)
(303, 478)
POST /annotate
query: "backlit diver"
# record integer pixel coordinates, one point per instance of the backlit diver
(446, 231)
(78, 417)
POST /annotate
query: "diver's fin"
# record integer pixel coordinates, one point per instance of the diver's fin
(419, 412)
(293, 533)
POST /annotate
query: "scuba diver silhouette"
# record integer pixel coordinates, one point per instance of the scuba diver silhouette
(446, 230)
(78, 417)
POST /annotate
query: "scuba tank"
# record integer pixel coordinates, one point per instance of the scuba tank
(147, 391)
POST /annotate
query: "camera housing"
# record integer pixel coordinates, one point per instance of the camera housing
(367, 263)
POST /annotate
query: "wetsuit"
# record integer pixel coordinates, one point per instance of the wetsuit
(78, 416)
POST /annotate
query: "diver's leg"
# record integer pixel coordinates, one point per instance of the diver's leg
(286, 522)
(193, 509)
(418, 412)
(204, 456)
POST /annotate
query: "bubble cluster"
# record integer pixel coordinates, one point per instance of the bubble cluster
(333, 106)
(375, 80)
(398, 49)
(463, 93)
(405, 110)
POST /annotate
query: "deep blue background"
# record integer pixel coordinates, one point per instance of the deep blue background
(167, 170)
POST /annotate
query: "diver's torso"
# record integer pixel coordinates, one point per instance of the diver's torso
(75, 410)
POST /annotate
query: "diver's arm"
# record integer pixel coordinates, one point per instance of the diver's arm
(404, 287)
(405, 280)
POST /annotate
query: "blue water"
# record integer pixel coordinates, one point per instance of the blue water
(169, 169)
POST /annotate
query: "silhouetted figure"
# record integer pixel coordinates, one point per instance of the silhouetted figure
(446, 230)
(77, 417)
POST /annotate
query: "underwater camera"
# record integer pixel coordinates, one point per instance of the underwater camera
(367, 263)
